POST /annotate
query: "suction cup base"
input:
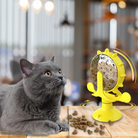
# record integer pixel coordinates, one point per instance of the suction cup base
(107, 113)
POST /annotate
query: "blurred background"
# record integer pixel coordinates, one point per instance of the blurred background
(73, 31)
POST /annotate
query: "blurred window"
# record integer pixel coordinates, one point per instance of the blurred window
(46, 36)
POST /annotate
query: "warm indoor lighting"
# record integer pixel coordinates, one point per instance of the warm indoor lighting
(113, 33)
(122, 4)
(49, 6)
(113, 8)
(37, 4)
(24, 4)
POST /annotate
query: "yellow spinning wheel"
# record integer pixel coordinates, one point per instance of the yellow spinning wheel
(108, 73)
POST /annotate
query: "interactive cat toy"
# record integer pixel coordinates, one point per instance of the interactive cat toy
(108, 73)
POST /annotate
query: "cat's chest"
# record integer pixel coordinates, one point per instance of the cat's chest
(47, 113)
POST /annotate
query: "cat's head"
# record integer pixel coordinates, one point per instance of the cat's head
(43, 77)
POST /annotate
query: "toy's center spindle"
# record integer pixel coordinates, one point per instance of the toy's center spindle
(106, 105)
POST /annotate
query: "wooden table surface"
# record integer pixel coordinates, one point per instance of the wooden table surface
(127, 127)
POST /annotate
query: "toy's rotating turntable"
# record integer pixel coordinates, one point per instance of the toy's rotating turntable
(108, 73)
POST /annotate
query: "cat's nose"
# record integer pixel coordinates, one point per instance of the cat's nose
(60, 77)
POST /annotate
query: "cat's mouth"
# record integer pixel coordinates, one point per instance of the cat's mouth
(63, 82)
(57, 84)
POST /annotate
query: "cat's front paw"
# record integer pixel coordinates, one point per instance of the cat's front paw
(63, 126)
(53, 128)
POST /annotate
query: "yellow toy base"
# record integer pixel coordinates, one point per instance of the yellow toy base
(107, 114)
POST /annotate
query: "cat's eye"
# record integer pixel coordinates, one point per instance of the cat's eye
(60, 72)
(48, 73)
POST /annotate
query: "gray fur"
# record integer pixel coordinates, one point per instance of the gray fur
(32, 106)
(52, 59)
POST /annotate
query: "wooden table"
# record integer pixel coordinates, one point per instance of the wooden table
(127, 127)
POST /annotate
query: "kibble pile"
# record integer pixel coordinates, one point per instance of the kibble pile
(82, 123)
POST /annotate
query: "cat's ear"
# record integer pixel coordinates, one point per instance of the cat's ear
(26, 67)
(52, 59)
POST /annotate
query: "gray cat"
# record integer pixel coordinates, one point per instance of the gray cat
(32, 106)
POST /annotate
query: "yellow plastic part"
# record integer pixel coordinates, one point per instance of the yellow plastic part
(107, 112)
(128, 59)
